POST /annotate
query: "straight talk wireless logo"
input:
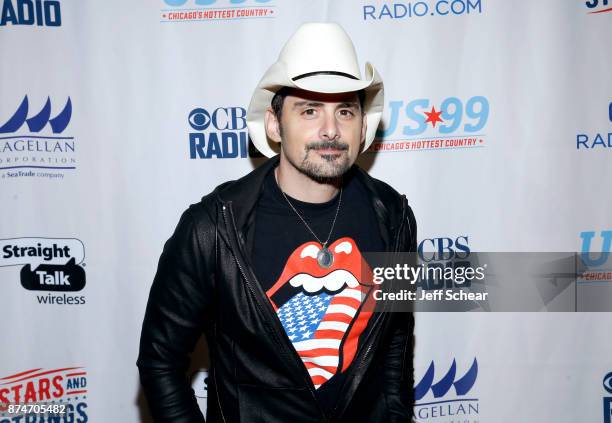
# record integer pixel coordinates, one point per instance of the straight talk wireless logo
(52, 268)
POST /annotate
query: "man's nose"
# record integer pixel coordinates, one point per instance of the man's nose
(329, 127)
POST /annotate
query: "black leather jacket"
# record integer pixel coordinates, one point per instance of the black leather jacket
(204, 283)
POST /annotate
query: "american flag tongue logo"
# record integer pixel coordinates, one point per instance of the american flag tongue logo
(324, 327)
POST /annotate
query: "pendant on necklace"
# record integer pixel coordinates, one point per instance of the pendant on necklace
(325, 258)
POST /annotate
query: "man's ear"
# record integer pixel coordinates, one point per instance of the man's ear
(364, 127)
(272, 125)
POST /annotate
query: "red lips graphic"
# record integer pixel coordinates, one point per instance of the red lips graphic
(345, 286)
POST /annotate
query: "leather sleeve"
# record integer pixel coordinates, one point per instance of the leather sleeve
(175, 317)
(398, 364)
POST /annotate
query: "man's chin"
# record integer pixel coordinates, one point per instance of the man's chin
(325, 172)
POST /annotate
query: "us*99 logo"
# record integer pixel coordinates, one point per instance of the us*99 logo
(452, 115)
(207, 2)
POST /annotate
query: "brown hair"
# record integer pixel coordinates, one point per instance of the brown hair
(279, 99)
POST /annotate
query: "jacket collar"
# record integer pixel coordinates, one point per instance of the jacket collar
(243, 194)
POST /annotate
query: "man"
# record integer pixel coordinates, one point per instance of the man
(269, 267)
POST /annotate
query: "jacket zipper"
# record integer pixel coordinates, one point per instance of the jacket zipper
(291, 352)
(214, 372)
(399, 232)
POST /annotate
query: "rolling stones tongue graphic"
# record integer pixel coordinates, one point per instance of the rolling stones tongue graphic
(321, 309)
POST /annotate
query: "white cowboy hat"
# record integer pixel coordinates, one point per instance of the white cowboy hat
(319, 57)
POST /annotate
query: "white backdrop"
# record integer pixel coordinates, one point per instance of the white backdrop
(528, 84)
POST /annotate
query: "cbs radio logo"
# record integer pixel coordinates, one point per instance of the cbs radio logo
(601, 140)
(444, 253)
(607, 401)
(443, 248)
(30, 12)
(49, 265)
(220, 133)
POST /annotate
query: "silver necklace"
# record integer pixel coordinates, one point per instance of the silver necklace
(325, 258)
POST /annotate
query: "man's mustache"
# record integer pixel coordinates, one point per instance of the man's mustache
(324, 145)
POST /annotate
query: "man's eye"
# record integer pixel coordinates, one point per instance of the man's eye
(346, 113)
(309, 112)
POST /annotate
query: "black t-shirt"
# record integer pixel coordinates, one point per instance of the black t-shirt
(319, 308)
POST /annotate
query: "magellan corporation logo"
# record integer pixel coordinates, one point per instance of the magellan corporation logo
(598, 6)
(221, 133)
(385, 10)
(216, 10)
(63, 390)
(597, 267)
(50, 267)
(598, 140)
(422, 125)
(446, 399)
(37, 146)
(31, 12)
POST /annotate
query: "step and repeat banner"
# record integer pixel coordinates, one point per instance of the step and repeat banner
(116, 115)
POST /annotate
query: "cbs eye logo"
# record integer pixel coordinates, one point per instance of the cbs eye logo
(199, 119)
(208, 2)
(607, 382)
